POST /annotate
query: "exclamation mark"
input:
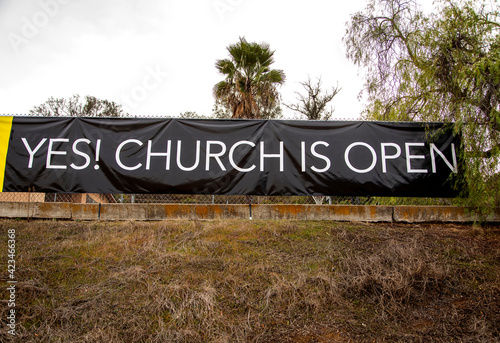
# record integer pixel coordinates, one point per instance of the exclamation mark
(303, 155)
(97, 152)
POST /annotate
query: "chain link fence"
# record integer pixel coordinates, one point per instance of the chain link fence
(217, 199)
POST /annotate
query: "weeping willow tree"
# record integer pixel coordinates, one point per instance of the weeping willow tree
(441, 67)
(250, 87)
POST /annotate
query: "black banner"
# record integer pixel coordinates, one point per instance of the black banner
(245, 157)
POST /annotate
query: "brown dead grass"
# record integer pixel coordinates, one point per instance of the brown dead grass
(251, 281)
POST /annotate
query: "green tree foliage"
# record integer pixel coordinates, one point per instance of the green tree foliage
(249, 89)
(441, 67)
(313, 105)
(75, 106)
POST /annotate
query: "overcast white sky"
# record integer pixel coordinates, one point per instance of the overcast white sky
(157, 57)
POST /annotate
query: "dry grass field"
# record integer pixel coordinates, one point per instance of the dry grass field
(252, 281)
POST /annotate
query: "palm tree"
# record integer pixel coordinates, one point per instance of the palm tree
(249, 89)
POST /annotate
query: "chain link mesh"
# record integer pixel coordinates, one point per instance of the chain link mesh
(216, 199)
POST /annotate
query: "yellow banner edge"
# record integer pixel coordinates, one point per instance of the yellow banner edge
(5, 130)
